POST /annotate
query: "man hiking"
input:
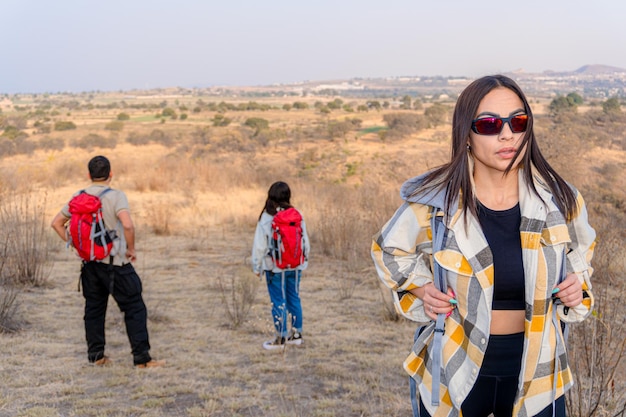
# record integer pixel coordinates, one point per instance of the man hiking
(109, 270)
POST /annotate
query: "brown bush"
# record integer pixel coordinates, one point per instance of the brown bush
(51, 144)
(93, 140)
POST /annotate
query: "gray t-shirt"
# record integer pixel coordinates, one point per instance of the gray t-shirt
(113, 202)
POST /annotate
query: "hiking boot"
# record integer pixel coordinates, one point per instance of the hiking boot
(277, 343)
(103, 361)
(151, 364)
(295, 339)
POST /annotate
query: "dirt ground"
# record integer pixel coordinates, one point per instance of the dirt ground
(350, 364)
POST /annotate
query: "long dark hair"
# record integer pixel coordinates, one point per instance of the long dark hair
(278, 196)
(455, 175)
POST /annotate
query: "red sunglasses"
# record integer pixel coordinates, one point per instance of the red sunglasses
(493, 125)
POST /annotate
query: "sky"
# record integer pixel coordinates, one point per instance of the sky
(83, 45)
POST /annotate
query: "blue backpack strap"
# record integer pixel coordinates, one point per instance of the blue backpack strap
(103, 192)
(561, 341)
(438, 239)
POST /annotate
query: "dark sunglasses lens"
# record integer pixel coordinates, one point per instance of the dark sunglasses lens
(488, 126)
(519, 123)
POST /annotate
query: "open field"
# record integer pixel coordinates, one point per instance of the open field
(196, 191)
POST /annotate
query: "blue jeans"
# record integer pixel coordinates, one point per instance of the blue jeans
(284, 290)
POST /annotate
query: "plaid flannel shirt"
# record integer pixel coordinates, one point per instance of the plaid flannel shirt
(402, 253)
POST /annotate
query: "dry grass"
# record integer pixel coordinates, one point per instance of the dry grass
(195, 202)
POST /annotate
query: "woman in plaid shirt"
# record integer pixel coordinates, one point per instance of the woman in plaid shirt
(515, 255)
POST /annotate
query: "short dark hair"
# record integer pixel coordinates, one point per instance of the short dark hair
(99, 168)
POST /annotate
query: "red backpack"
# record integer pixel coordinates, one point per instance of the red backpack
(287, 239)
(87, 232)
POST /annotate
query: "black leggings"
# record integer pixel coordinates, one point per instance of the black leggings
(495, 389)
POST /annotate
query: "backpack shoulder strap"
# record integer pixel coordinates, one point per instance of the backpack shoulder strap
(103, 192)
(439, 233)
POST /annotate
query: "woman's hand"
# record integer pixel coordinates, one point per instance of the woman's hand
(436, 302)
(570, 291)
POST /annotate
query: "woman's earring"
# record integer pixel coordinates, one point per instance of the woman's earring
(469, 148)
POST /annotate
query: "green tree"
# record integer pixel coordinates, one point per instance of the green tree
(374, 104)
(13, 132)
(123, 116)
(575, 98)
(338, 129)
(562, 104)
(335, 104)
(64, 125)
(257, 124)
(437, 114)
(219, 120)
(324, 109)
(406, 102)
(169, 112)
(612, 105)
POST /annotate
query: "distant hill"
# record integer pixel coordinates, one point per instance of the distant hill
(598, 69)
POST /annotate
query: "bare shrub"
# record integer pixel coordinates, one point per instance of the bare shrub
(262, 139)
(25, 146)
(15, 146)
(67, 171)
(404, 124)
(8, 308)
(339, 129)
(159, 218)
(93, 140)
(158, 136)
(23, 226)
(598, 345)
(237, 291)
(114, 126)
(341, 232)
(202, 136)
(8, 296)
(137, 139)
(234, 141)
(51, 144)
(388, 310)
(156, 314)
(7, 147)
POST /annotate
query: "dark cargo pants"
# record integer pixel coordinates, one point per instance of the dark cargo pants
(100, 279)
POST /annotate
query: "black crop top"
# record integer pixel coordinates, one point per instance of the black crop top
(501, 228)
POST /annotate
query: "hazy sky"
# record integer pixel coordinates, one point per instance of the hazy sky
(86, 45)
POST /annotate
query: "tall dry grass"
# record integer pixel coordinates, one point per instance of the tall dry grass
(24, 251)
(8, 295)
(26, 238)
